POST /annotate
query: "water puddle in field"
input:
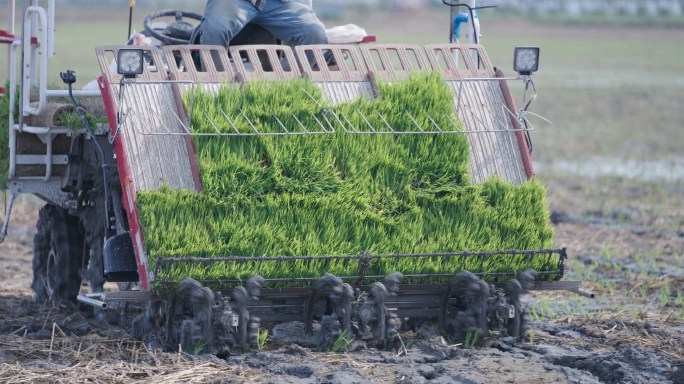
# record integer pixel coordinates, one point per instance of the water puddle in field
(662, 170)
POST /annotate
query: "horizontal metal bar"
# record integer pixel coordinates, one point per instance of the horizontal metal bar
(94, 300)
(195, 259)
(566, 285)
(426, 276)
(40, 159)
(489, 78)
(582, 292)
(556, 285)
(75, 92)
(279, 317)
(193, 83)
(44, 130)
(416, 301)
(101, 299)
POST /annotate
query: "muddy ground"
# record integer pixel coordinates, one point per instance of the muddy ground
(625, 239)
(633, 332)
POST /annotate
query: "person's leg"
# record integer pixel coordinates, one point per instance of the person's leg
(223, 19)
(294, 22)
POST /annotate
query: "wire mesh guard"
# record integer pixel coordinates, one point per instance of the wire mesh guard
(478, 105)
(328, 119)
(226, 125)
(364, 268)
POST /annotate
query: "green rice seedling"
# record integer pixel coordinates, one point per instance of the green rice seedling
(262, 339)
(665, 294)
(530, 336)
(199, 347)
(72, 120)
(472, 336)
(338, 193)
(342, 342)
(679, 300)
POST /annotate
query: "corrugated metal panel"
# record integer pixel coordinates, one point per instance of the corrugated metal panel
(155, 157)
(480, 105)
(148, 113)
(493, 146)
(339, 92)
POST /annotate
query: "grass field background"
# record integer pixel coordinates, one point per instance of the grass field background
(612, 91)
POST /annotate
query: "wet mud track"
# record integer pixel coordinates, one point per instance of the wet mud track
(571, 339)
(58, 345)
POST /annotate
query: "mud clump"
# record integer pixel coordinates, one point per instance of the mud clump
(631, 364)
(678, 375)
(301, 371)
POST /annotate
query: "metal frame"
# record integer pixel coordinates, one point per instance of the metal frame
(354, 70)
(363, 68)
(365, 260)
(103, 299)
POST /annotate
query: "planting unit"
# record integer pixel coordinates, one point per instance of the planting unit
(350, 187)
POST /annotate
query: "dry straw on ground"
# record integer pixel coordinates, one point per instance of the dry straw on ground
(100, 359)
(56, 344)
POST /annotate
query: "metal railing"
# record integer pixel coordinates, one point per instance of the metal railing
(376, 266)
(352, 68)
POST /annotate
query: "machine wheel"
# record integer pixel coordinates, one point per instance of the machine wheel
(57, 256)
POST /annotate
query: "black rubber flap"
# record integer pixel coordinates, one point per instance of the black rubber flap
(119, 259)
